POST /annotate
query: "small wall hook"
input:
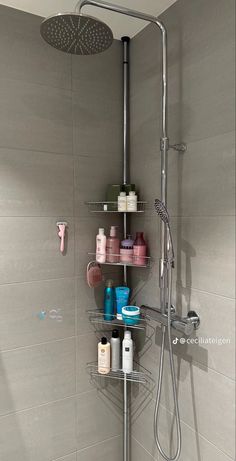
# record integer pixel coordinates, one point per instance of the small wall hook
(61, 234)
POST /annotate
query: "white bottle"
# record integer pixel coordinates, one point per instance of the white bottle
(115, 350)
(127, 353)
(104, 356)
(132, 201)
(101, 246)
(122, 201)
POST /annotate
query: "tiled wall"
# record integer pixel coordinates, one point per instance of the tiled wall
(60, 144)
(201, 204)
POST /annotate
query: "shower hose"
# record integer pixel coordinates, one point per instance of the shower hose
(173, 378)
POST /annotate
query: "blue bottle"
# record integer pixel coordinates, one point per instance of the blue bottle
(109, 301)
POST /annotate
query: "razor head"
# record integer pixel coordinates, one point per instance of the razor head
(162, 211)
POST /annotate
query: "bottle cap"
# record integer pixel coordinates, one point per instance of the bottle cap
(109, 283)
(115, 333)
(101, 230)
(104, 340)
(122, 194)
(127, 334)
(113, 231)
(132, 192)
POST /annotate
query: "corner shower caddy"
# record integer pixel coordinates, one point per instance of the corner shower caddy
(96, 317)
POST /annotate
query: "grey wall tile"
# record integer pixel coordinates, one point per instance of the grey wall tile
(30, 250)
(87, 352)
(194, 446)
(37, 374)
(92, 408)
(99, 72)
(35, 117)
(40, 434)
(205, 252)
(109, 449)
(201, 182)
(24, 54)
(138, 452)
(21, 304)
(92, 176)
(217, 321)
(35, 184)
(97, 113)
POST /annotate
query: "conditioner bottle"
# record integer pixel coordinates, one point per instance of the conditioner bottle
(104, 356)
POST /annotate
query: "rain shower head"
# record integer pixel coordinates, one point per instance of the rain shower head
(76, 33)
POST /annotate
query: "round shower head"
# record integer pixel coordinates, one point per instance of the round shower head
(76, 33)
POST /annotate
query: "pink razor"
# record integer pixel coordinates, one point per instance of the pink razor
(61, 233)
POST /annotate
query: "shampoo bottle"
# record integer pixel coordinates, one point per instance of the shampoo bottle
(109, 301)
(140, 250)
(112, 246)
(101, 246)
(104, 356)
(115, 350)
(127, 352)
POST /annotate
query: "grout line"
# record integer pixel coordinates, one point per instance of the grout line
(34, 407)
(98, 443)
(207, 292)
(3, 351)
(144, 449)
(65, 456)
(69, 277)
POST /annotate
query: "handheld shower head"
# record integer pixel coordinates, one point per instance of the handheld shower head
(164, 215)
(162, 211)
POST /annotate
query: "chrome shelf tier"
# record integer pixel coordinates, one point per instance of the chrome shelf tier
(97, 317)
(147, 260)
(112, 207)
(134, 376)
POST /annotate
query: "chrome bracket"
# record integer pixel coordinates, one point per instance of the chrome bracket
(181, 147)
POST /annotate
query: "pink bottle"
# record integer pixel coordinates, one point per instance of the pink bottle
(113, 246)
(140, 250)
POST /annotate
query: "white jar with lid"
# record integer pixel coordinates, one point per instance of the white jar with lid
(132, 201)
(122, 202)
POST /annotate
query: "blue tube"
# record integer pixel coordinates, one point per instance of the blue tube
(122, 299)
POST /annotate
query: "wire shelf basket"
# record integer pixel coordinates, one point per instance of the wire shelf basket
(135, 376)
(96, 317)
(112, 207)
(119, 260)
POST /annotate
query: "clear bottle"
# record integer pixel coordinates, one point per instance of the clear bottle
(115, 350)
(140, 250)
(132, 201)
(113, 246)
(127, 353)
(101, 246)
(104, 356)
(122, 201)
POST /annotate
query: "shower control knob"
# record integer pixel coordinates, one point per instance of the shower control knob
(194, 318)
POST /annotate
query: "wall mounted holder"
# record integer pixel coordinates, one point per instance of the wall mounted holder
(62, 225)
